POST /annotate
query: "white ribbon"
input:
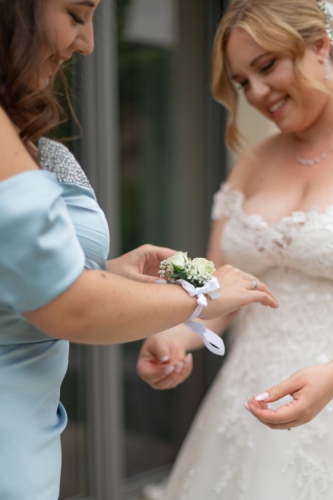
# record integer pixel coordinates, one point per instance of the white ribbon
(212, 341)
(209, 338)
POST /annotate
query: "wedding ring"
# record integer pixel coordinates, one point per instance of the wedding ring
(254, 284)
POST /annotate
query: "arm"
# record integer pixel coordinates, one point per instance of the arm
(311, 390)
(93, 306)
(162, 361)
(103, 308)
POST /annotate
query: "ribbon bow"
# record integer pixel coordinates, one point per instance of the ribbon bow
(212, 341)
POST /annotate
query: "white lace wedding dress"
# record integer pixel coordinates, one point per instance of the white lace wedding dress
(228, 454)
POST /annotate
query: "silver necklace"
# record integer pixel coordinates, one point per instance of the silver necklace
(310, 163)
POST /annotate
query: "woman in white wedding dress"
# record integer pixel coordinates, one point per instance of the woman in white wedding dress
(274, 219)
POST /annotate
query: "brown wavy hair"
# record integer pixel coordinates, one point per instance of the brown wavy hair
(22, 33)
(285, 26)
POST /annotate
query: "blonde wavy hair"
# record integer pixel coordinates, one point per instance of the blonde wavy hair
(285, 26)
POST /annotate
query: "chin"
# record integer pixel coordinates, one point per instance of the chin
(42, 83)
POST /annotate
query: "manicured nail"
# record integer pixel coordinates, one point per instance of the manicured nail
(188, 359)
(262, 397)
(247, 407)
(168, 370)
(165, 359)
(179, 366)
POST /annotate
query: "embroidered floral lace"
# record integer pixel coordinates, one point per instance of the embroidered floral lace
(228, 454)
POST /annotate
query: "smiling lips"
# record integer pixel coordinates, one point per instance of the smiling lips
(278, 105)
(60, 61)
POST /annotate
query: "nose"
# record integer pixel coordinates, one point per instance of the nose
(259, 90)
(84, 42)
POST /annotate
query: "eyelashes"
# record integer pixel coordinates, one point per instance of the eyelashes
(268, 66)
(264, 69)
(76, 18)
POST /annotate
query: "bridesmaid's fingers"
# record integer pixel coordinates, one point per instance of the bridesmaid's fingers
(153, 373)
(180, 373)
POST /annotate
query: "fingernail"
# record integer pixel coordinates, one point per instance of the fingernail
(247, 407)
(165, 359)
(188, 359)
(168, 370)
(262, 397)
(179, 366)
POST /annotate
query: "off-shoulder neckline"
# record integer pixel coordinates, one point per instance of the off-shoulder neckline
(298, 216)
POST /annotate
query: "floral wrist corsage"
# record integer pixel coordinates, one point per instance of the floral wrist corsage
(196, 278)
(197, 271)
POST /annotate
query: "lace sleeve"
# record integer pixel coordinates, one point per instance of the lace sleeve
(226, 201)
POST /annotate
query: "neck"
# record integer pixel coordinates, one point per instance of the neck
(320, 132)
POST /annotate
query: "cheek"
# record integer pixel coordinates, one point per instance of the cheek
(284, 76)
(58, 26)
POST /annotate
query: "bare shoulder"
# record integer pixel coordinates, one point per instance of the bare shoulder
(14, 158)
(255, 159)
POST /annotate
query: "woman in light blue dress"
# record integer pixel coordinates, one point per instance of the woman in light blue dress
(56, 284)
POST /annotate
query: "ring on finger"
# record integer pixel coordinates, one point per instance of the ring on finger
(254, 284)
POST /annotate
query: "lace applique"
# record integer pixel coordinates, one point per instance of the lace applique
(56, 158)
(187, 474)
(226, 201)
(313, 473)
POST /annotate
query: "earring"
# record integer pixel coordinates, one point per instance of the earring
(326, 69)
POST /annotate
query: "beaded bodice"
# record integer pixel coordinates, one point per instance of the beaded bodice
(56, 158)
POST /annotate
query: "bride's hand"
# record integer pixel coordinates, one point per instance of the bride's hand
(237, 289)
(163, 362)
(311, 390)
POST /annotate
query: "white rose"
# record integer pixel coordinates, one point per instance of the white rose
(202, 266)
(178, 260)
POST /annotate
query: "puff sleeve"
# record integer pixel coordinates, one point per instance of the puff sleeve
(40, 255)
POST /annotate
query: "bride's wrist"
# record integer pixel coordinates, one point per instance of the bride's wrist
(329, 368)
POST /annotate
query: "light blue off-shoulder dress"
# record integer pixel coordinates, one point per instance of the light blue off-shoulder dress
(51, 227)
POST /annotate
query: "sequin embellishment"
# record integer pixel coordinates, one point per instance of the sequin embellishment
(56, 158)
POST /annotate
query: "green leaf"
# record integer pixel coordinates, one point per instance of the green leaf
(177, 269)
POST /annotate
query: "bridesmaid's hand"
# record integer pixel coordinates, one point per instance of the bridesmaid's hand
(311, 390)
(163, 362)
(141, 264)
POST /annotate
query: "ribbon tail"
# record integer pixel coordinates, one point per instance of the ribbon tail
(213, 342)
